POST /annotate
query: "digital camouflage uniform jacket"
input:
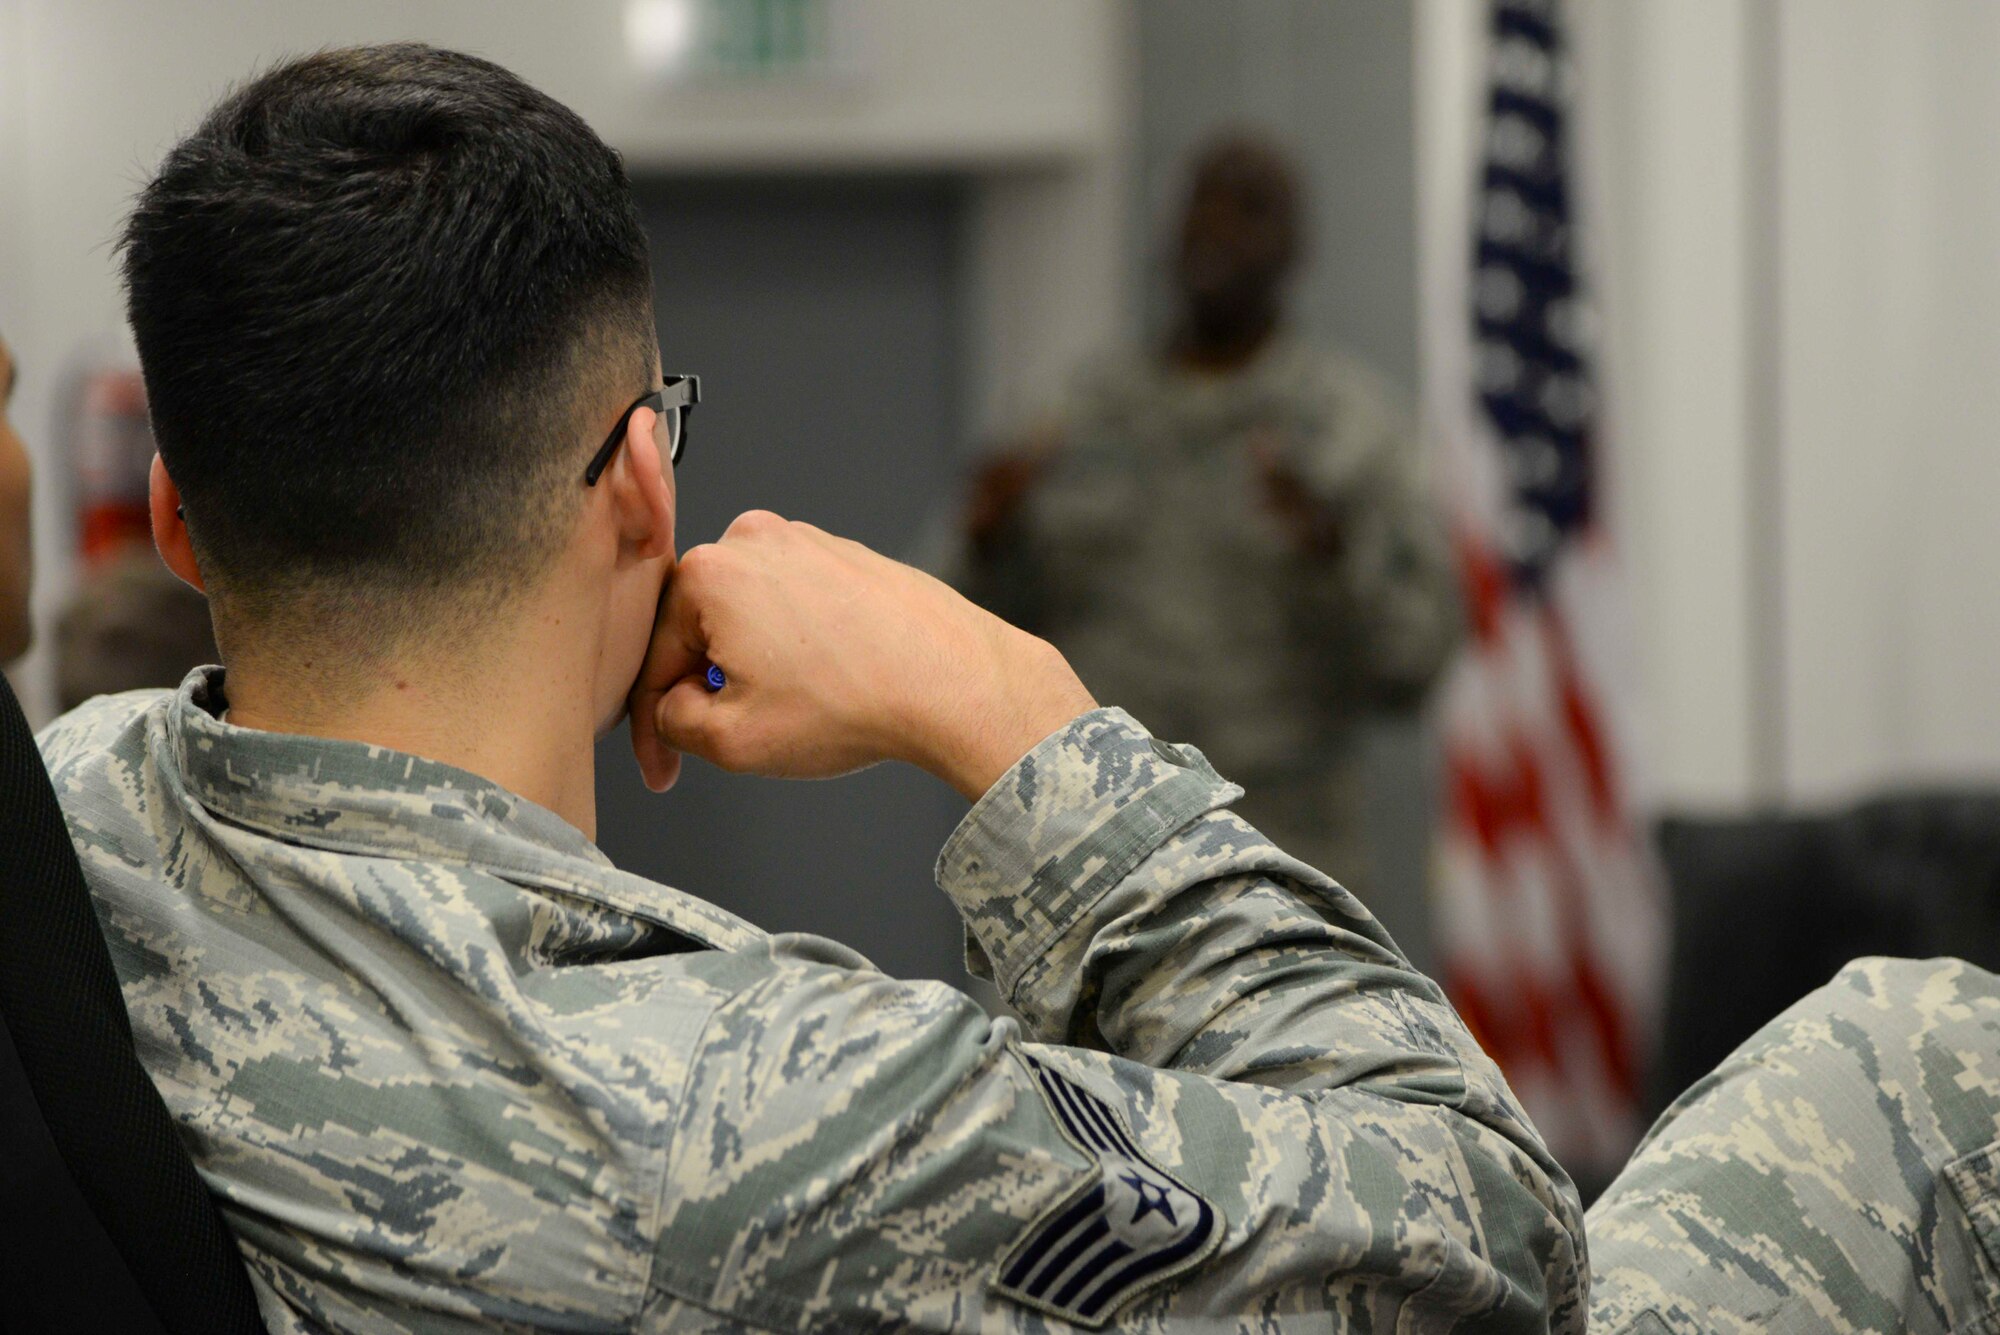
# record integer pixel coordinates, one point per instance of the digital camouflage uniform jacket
(447, 1069)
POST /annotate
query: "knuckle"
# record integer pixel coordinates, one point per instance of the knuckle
(697, 563)
(755, 524)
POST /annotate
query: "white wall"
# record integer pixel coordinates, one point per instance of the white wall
(1889, 289)
(1661, 103)
(1795, 206)
(1032, 95)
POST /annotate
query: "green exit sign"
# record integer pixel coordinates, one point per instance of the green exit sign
(676, 41)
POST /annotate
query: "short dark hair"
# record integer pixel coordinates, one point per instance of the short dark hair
(377, 295)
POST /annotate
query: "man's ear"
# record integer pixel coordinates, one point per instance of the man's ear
(642, 492)
(170, 531)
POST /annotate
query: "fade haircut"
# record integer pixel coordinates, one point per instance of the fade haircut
(382, 296)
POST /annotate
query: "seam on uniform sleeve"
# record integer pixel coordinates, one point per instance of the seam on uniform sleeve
(1068, 822)
(1439, 1045)
(653, 1293)
(668, 1144)
(1975, 1182)
(1128, 837)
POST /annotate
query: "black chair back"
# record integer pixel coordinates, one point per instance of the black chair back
(1767, 907)
(110, 1227)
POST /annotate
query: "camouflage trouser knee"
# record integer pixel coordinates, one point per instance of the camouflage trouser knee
(1839, 1172)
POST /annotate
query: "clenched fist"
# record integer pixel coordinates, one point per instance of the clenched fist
(836, 658)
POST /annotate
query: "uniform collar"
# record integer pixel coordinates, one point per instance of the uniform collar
(1275, 362)
(350, 797)
(320, 791)
(1197, 407)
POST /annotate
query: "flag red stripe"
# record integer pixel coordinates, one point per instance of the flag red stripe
(1580, 717)
(1485, 585)
(1497, 805)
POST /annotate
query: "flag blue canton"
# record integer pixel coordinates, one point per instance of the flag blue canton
(1128, 1226)
(1534, 375)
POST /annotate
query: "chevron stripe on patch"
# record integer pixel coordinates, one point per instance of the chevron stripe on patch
(1126, 1227)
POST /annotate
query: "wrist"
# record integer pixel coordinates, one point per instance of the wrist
(997, 717)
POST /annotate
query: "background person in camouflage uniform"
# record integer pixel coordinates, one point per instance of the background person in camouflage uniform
(447, 1069)
(1229, 536)
(130, 624)
(1840, 1172)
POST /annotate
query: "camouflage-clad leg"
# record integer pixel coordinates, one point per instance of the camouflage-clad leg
(1840, 1172)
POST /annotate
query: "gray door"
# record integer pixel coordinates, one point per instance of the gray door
(822, 316)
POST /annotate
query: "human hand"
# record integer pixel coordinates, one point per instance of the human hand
(836, 658)
(1312, 525)
(1002, 484)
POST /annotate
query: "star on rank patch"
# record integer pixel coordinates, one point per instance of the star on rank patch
(1126, 1227)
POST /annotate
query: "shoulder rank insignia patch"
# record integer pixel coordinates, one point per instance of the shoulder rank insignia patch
(1126, 1227)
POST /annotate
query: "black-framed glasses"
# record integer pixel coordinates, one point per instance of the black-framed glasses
(672, 404)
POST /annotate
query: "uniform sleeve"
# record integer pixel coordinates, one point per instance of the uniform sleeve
(1389, 595)
(1233, 1099)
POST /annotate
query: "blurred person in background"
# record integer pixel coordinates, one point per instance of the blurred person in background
(133, 624)
(16, 563)
(130, 623)
(1228, 535)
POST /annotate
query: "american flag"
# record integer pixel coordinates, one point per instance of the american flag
(1551, 919)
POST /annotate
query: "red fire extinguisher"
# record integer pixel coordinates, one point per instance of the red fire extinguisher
(114, 458)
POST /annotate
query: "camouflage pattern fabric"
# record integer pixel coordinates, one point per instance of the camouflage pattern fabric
(447, 1069)
(1839, 1173)
(1149, 556)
